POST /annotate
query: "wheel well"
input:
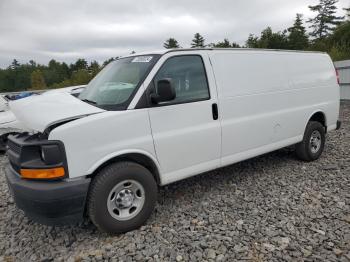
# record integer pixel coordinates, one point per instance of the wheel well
(319, 117)
(138, 158)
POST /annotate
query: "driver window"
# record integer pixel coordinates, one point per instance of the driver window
(188, 76)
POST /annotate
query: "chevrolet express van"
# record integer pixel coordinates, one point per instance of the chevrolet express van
(151, 119)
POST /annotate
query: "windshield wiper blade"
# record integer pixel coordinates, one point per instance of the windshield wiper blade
(89, 101)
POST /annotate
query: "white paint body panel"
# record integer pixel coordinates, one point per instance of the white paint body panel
(69, 90)
(9, 123)
(186, 138)
(265, 99)
(7, 117)
(39, 112)
(92, 140)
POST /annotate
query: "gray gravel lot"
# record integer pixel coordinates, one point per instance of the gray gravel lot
(271, 208)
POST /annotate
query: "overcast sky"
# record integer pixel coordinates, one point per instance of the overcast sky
(96, 30)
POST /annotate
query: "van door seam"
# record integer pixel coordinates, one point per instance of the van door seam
(219, 108)
(154, 145)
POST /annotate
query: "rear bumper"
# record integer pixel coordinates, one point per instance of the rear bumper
(338, 125)
(49, 202)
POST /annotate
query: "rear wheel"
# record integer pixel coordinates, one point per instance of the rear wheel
(122, 197)
(312, 146)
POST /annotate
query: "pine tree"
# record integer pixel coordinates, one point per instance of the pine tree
(298, 39)
(32, 63)
(37, 80)
(273, 40)
(80, 64)
(252, 42)
(15, 64)
(326, 20)
(225, 44)
(94, 68)
(108, 61)
(198, 41)
(347, 10)
(340, 42)
(171, 43)
(268, 40)
(80, 77)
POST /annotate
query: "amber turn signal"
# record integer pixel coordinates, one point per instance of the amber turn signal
(57, 172)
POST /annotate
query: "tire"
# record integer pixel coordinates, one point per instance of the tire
(310, 149)
(122, 197)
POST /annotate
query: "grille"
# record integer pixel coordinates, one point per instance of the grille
(14, 147)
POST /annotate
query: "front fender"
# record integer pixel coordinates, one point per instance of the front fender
(111, 156)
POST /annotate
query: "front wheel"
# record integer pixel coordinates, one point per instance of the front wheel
(122, 197)
(311, 148)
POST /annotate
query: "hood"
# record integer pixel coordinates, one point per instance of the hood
(7, 117)
(69, 90)
(39, 112)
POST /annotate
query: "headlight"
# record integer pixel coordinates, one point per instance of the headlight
(49, 166)
(37, 158)
(51, 154)
(42, 155)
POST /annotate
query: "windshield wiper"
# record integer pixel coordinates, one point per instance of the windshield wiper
(89, 101)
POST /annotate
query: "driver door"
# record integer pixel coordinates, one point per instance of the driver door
(186, 131)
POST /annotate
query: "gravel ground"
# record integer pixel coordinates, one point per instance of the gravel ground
(271, 208)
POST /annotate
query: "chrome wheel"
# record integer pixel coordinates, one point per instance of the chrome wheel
(315, 141)
(126, 200)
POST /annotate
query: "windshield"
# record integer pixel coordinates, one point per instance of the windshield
(115, 85)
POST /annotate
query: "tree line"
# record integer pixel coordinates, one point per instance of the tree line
(33, 76)
(328, 33)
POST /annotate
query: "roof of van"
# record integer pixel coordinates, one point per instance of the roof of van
(164, 51)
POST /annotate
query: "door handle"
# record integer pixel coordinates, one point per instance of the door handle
(215, 111)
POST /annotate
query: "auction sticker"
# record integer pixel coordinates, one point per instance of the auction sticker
(142, 59)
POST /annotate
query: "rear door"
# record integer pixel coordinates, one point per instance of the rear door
(186, 131)
(254, 101)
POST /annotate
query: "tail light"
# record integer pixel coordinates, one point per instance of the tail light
(337, 73)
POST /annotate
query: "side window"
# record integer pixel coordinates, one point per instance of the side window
(187, 74)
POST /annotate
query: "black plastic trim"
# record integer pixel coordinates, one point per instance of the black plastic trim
(215, 111)
(143, 101)
(28, 156)
(339, 123)
(50, 202)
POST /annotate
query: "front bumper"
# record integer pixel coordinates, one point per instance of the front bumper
(49, 202)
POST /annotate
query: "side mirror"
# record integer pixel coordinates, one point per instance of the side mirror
(165, 91)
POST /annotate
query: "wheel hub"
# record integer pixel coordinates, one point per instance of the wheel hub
(124, 199)
(315, 141)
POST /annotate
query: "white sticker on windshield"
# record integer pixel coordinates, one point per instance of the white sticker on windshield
(142, 59)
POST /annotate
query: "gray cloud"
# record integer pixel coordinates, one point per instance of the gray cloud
(66, 30)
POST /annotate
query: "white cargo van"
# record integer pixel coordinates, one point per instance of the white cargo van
(151, 119)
